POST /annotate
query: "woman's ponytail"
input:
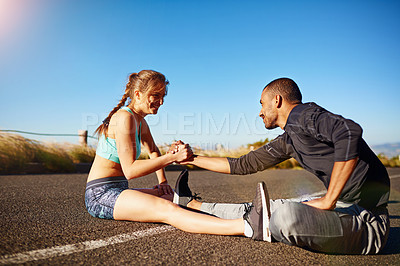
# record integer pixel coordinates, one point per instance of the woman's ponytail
(103, 128)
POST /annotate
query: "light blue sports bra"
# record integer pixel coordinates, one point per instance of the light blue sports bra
(107, 147)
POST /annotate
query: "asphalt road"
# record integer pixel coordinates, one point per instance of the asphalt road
(43, 220)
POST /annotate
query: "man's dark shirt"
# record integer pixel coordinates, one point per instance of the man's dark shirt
(317, 139)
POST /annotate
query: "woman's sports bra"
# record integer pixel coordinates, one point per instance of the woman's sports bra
(107, 147)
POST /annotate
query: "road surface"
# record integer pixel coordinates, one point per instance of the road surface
(43, 220)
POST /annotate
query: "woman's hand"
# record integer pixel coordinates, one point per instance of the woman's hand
(175, 146)
(184, 153)
(163, 188)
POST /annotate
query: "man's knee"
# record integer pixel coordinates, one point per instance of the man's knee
(285, 220)
(304, 226)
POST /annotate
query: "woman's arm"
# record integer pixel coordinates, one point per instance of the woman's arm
(125, 129)
(152, 149)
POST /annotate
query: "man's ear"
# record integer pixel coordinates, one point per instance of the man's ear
(278, 101)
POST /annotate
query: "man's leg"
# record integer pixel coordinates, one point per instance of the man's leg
(225, 210)
(234, 210)
(349, 229)
(183, 196)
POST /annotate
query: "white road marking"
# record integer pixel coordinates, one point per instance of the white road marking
(42, 254)
(394, 176)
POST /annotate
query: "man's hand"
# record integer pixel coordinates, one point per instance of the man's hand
(341, 172)
(321, 203)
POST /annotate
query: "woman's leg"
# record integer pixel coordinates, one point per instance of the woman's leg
(156, 192)
(137, 206)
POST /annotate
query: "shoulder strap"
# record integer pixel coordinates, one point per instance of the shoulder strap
(126, 108)
(140, 123)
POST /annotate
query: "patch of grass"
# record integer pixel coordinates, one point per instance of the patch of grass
(81, 154)
(54, 158)
(392, 162)
(17, 152)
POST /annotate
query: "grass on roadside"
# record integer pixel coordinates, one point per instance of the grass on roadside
(17, 153)
(392, 162)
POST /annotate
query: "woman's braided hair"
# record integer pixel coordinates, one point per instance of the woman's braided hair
(145, 81)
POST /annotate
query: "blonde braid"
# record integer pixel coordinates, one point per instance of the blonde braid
(116, 108)
(103, 128)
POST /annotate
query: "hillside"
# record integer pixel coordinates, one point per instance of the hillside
(389, 149)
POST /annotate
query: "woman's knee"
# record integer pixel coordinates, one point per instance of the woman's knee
(167, 210)
(164, 205)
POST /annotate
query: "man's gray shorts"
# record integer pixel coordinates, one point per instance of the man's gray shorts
(348, 229)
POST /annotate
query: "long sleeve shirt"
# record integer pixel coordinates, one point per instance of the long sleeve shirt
(317, 139)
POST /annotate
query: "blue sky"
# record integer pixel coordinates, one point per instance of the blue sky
(64, 63)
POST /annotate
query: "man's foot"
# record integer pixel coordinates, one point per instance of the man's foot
(259, 214)
(183, 195)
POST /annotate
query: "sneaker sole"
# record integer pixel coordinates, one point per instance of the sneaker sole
(266, 213)
(176, 198)
(176, 191)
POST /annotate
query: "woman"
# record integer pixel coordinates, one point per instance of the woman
(120, 138)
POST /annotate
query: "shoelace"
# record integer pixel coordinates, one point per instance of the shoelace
(196, 197)
(247, 209)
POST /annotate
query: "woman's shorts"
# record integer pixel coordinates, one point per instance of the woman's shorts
(101, 195)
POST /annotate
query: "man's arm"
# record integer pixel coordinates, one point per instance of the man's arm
(345, 135)
(268, 155)
(216, 164)
(340, 174)
(220, 165)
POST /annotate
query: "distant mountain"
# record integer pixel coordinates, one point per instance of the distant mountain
(389, 149)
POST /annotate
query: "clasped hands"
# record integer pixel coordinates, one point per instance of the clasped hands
(182, 151)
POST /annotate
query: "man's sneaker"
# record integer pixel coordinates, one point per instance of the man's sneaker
(182, 194)
(259, 214)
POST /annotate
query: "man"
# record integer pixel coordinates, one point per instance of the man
(351, 218)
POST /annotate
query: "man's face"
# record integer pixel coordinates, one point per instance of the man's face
(268, 113)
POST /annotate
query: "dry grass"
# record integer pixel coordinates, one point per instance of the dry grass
(17, 153)
(393, 162)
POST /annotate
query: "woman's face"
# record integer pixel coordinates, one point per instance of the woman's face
(155, 100)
